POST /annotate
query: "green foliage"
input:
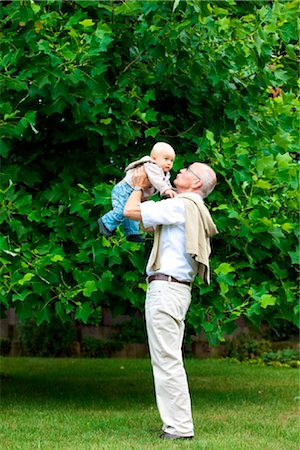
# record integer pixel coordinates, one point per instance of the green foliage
(132, 331)
(48, 339)
(88, 86)
(260, 351)
(286, 356)
(283, 331)
(5, 346)
(99, 348)
(244, 348)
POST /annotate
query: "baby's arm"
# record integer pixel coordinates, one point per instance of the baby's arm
(170, 193)
(157, 178)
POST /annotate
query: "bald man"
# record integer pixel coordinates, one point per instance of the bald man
(182, 230)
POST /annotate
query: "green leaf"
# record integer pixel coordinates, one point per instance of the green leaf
(56, 258)
(153, 132)
(175, 4)
(42, 315)
(295, 256)
(23, 310)
(143, 286)
(224, 269)
(27, 277)
(178, 163)
(102, 30)
(287, 226)
(267, 300)
(210, 137)
(284, 160)
(105, 282)
(21, 296)
(87, 23)
(83, 312)
(106, 121)
(35, 7)
(8, 252)
(264, 184)
(265, 164)
(89, 288)
(40, 287)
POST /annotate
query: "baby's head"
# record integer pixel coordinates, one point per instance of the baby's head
(164, 155)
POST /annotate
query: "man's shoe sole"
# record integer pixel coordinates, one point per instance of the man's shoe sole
(134, 238)
(173, 437)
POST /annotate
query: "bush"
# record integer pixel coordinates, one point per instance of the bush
(48, 339)
(244, 348)
(5, 346)
(99, 348)
(132, 331)
(283, 331)
(286, 356)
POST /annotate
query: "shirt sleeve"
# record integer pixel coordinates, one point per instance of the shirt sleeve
(156, 177)
(165, 212)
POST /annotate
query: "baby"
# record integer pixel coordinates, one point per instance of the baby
(157, 167)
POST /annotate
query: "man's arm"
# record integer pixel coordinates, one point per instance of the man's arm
(132, 209)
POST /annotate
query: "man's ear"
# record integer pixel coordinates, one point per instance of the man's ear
(197, 184)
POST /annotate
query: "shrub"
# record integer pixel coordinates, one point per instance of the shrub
(5, 346)
(47, 339)
(245, 347)
(99, 348)
(132, 331)
(283, 331)
(285, 356)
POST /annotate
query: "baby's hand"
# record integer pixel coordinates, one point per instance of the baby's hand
(170, 193)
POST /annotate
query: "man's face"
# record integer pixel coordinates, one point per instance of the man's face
(187, 177)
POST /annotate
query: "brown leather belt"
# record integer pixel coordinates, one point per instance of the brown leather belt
(163, 277)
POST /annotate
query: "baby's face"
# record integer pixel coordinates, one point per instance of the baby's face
(165, 159)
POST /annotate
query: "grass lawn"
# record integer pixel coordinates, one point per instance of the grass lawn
(81, 404)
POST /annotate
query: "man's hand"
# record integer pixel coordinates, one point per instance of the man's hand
(140, 178)
(132, 208)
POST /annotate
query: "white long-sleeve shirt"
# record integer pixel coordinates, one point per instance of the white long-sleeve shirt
(174, 260)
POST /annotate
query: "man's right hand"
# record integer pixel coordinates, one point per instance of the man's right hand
(140, 178)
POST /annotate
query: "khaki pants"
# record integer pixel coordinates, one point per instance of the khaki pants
(166, 306)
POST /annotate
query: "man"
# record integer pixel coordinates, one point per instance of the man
(180, 250)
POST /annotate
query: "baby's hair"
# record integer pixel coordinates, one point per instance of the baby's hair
(161, 146)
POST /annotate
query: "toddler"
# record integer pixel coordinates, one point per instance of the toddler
(157, 167)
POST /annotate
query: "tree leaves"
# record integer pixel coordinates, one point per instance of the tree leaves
(87, 89)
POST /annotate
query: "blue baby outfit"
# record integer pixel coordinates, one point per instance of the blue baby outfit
(115, 217)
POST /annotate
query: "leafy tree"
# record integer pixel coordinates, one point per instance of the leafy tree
(88, 86)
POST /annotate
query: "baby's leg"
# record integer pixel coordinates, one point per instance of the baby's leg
(131, 227)
(119, 196)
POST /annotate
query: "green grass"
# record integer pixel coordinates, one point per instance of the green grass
(109, 404)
